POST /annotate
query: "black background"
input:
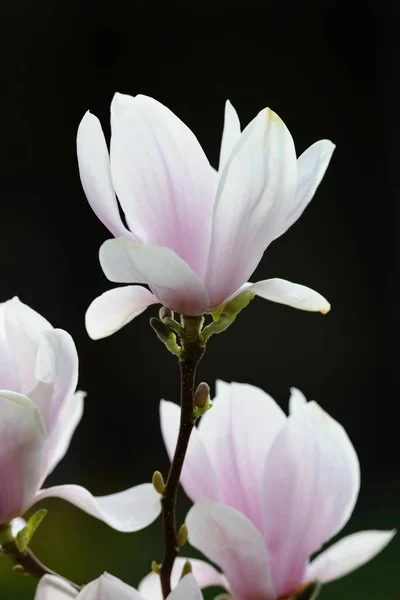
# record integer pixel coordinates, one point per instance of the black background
(330, 70)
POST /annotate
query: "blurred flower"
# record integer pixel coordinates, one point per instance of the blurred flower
(108, 587)
(270, 490)
(195, 235)
(39, 412)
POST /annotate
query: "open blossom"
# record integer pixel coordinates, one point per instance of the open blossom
(194, 235)
(269, 491)
(108, 587)
(39, 411)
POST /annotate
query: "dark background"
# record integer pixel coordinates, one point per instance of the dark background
(330, 70)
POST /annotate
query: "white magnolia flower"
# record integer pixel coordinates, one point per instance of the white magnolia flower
(194, 235)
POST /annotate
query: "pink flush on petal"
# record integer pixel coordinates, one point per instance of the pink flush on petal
(194, 235)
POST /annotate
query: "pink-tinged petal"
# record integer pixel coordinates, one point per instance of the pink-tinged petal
(311, 483)
(108, 587)
(297, 400)
(187, 589)
(127, 511)
(230, 134)
(230, 540)
(311, 167)
(9, 377)
(256, 186)
(291, 294)
(24, 329)
(348, 554)
(205, 574)
(54, 588)
(198, 476)
(61, 435)
(163, 180)
(95, 172)
(237, 434)
(112, 310)
(57, 366)
(22, 447)
(170, 278)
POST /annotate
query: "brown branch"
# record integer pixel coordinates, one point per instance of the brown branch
(191, 354)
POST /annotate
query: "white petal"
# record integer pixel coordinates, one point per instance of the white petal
(205, 574)
(229, 539)
(112, 310)
(187, 589)
(9, 376)
(347, 555)
(119, 104)
(94, 169)
(297, 400)
(170, 278)
(230, 134)
(56, 365)
(311, 167)
(237, 434)
(256, 187)
(198, 476)
(24, 329)
(311, 483)
(108, 587)
(163, 180)
(127, 511)
(291, 294)
(60, 438)
(22, 448)
(54, 588)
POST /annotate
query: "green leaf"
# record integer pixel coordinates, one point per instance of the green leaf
(26, 534)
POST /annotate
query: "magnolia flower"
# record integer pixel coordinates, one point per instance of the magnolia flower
(270, 490)
(39, 412)
(193, 235)
(108, 587)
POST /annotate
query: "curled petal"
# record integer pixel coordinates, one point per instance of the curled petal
(205, 574)
(169, 277)
(348, 554)
(291, 294)
(22, 448)
(94, 169)
(115, 308)
(230, 134)
(57, 367)
(24, 329)
(311, 483)
(54, 588)
(198, 476)
(127, 511)
(311, 167)
(230, 540)
(163, 179)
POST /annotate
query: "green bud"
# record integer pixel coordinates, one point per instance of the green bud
(202, 395)
(26, 534)
(158, 482)
(19, 569)
(165, 334)
(155, 567)
(182, 536)
(187, 569)
(228, 314)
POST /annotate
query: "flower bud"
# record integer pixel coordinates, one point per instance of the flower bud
(202, 395)
(187, 568)
(165, 312)
(182, 536)
(158, 482)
